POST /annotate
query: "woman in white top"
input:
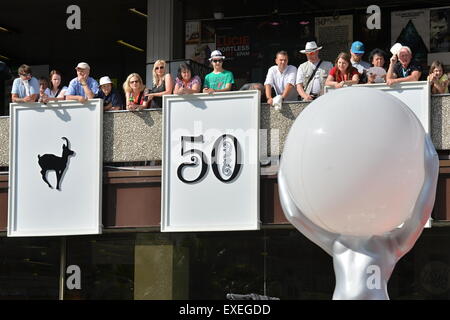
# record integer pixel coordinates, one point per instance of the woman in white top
(56, 91)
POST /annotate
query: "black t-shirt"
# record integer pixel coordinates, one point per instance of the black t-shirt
(403, 73)
(113, 97)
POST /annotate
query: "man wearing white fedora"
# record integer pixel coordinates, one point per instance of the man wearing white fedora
(112, 100)
(311, 75)
(281, 78)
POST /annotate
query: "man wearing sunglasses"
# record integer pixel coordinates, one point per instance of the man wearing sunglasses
(357, 51)
(82, 87)
(311, 75)
(219, 79)
(26, 87)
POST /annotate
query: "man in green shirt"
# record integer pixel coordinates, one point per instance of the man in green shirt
(220, 79)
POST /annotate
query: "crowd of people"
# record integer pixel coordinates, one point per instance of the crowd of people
(311, 77)
(283, 82)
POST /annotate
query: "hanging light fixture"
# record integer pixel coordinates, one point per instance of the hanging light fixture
(126, 44)
(139, 13)
(275, 18)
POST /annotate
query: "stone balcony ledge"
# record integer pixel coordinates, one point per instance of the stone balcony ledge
(137, 136)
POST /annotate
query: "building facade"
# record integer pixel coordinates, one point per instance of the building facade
(132, 259)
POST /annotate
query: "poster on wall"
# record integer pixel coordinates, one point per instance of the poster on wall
(211, 162)
(439, 35)
(192, 33)
(412, 28)
(235, 45)
(335, 34)
(200, 41)
(55, 169)
(200, 52)
(440, 29)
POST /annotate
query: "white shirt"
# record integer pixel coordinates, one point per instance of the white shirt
(279, 81)
(60, 95)
(361, 66)
(316, 84)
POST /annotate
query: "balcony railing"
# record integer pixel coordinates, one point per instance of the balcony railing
(137, 136)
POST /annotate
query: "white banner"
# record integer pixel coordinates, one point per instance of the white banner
(55, 168)
(415, 94)
(211, 162)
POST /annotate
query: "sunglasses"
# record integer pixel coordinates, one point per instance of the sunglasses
(157, 68)
(25, 74)
(135, 81)
(216, 61)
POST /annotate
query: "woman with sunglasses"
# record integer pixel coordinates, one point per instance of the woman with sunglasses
(220, 79)
(162, 84)
(134, 93)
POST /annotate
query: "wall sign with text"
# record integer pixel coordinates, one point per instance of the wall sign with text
(55, 168)
(211, 162)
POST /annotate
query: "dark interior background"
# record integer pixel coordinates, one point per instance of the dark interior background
(37, 33)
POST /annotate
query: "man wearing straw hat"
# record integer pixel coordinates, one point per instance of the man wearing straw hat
(311, 75)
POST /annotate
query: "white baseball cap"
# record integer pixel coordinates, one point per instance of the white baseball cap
(82, 65)
(396, 48)
(105, 80)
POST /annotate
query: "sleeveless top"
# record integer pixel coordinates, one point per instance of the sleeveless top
(157, 101)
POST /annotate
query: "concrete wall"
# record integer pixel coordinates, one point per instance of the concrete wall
(137, 136)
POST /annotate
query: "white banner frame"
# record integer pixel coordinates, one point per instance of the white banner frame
(63, 111)
(199, 105)
(420, 106)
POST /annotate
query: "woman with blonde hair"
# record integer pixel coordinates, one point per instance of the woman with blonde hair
(343, 73)
(162, 84)
(134, 93)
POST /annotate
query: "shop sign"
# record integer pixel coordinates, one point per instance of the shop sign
(211, 162)
(55, 168)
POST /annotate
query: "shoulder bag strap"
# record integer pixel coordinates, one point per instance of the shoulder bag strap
(313, 74)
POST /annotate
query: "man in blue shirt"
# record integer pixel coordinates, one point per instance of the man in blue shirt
(26, 87)
(82, 87)
(112, 100)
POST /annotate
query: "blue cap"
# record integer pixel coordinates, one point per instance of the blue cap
(357, 47)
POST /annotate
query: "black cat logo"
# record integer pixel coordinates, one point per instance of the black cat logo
(49, 162)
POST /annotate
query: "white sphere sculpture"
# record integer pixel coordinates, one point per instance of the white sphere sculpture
(354, 161)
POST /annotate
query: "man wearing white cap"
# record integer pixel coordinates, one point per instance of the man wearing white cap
(311, 75)
(281, 78)
(219, 79)
(112, 100)
(402, 68)
(82, 87)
